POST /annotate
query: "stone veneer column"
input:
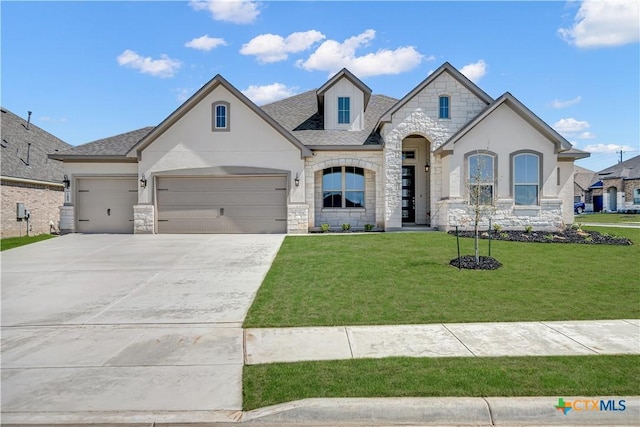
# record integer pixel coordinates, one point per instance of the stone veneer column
(298, 219)
(143, 219)
(67, 219)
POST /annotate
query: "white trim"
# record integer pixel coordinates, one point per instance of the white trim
(31, 181)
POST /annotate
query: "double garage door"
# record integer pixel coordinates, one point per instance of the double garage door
(186, 204)
(247, 204)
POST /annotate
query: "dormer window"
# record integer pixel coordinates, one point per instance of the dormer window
(444, 107)
(344, 110)
(220, 113)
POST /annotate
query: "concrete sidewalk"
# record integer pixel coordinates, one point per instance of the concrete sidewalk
(618, 225)
(561, 338)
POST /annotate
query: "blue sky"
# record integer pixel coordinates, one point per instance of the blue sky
(90, 70)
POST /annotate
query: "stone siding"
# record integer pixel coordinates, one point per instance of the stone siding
(143, 219)
(547, 216)
(419, 116)
(297, 219)
(41, 200)
(372, 213)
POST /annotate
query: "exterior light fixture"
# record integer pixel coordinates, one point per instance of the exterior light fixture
(426, 168)
(66, 182)
(297, 180)
(143, 182)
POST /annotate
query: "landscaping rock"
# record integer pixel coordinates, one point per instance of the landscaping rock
(566, 236)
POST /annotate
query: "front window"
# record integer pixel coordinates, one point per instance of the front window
(344, 115)
(481, 179)
(636, 196)
(444, 108)
(526, 181)
(343, 187)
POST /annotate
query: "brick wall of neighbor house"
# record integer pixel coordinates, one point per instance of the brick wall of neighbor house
(42, 201)
(371, 162)
(618, 184)
(630, 186)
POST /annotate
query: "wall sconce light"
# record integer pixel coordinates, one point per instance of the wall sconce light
(143, 182)
(426, 168)
(297, 180)
(66, 182)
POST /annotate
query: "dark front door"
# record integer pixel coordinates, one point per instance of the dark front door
(408, 194)
(597, 203)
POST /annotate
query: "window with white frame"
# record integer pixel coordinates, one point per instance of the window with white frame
(444, 107)
(344, 110)
(526, 179)
(481, 171)
(343, 187)
(220, 119)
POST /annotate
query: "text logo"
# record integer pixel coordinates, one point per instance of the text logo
(588, 405)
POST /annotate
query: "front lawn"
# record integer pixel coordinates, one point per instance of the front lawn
(405, 278)
(270, 384)
(608, 218)
(14, 242)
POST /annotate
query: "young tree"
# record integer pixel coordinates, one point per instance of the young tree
(480, 186)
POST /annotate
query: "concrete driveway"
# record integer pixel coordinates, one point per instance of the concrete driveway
(128, 328)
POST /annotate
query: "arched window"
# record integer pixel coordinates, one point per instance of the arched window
(220, 113)
(444, 107)
(343, 187)
(481, 171)
(526, 179)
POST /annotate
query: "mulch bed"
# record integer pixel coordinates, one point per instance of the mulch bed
(469, 262)
(569, 235)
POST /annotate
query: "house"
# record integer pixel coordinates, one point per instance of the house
(339, 154)
(617, 188)
(582, 179)
(29, 177)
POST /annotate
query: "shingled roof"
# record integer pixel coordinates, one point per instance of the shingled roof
(299, 115)
(583, 177)
(24, 150)
(114, 147)
(629, 169)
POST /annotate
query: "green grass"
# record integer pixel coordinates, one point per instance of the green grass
(270, 384)
(14, 242)
(608, 218)
(405, 278)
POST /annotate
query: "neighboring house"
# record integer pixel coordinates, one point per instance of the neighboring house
(338, 154)
(617, 188)
(29, 177)
(582, 180)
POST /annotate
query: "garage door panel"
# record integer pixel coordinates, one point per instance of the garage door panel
(105, 205)
(222, 205)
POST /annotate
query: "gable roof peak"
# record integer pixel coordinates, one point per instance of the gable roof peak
(344, 73)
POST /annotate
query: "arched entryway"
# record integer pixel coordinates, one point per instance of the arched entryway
(416, 181)
(613, 199)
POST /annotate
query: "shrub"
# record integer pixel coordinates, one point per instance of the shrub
(346, 227)
(324, 227)
(497, 228)
(504, 235)
(528, 229)
(368, 227)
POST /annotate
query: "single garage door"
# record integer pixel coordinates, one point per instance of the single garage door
(105, 205)
(247, 204)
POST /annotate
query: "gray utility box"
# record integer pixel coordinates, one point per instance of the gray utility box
(21, 212)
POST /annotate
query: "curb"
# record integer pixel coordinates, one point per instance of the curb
(427, 411)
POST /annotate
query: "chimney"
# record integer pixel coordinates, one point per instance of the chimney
(28, 119)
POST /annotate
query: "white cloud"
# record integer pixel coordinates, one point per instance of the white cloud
(586, 135)
(601, 23)
(205, 43)
(607, 148)
(235, 11)
(570, 125)
(162, 67)
(331, 56)
(182, 94)
(273, 48)
(557, 103)
(474, 71)
(268, 93)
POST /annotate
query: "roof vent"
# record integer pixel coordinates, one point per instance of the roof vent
(28, 119)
